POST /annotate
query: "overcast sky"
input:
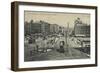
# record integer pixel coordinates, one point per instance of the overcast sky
(57, 18)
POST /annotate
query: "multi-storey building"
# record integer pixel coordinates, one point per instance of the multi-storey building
(81, 29)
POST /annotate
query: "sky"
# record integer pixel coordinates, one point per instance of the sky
(62, 19)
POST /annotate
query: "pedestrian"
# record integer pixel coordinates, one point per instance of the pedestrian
(32, 45)
(61, 50)
(39, 44)
(44, 44)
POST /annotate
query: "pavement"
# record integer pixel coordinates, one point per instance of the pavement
(54, 55)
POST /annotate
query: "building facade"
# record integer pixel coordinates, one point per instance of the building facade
(81, 29)
(42, 27)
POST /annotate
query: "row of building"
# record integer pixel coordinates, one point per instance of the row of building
(80, 28)
(42, 27)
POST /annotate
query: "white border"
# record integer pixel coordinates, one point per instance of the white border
(33, 64)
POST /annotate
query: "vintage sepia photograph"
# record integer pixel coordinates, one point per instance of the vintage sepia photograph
(52, 36)
(56, 36)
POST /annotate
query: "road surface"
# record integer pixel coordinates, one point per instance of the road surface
(70, 53)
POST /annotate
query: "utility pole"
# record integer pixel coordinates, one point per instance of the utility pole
(68, 50)
(66, 36)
